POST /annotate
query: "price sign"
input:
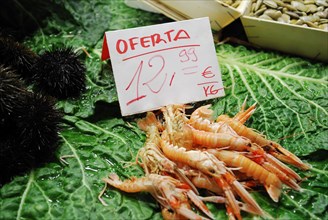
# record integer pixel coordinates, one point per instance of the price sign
(171, 63)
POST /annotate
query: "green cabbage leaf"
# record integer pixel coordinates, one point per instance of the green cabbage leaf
(292, 108)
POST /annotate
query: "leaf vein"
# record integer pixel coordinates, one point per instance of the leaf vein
(27, 189)
(282, 102)
(270, 72)
(298, 95)
(84, 180)
(253, 95)
(300, 207)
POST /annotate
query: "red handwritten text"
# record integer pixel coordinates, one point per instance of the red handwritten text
(211, 90)
(123, 45)
(155, 78)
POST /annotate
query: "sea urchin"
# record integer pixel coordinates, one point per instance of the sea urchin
(60, 73)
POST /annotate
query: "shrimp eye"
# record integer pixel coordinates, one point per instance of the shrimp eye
(211, 171)
(266, 148)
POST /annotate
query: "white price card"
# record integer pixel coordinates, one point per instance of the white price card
(158, 65)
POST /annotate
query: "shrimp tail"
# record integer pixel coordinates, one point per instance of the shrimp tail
(148, 121)
(204, 112)
(231, 204)
(273, 191)
(132, 185)
(241, 191)
(250, 209)
(282, 176)
(189, 214)
(243, 115)
(271, 159)
(199, 203)
(288, 157)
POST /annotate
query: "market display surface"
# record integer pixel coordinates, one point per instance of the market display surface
(291, 99)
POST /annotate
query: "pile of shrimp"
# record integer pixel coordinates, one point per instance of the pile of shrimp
(185, 153)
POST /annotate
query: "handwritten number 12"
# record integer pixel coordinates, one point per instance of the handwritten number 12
(137, 75)
(156, 75)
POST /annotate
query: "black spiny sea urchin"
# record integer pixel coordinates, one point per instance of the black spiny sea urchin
(60, 73)
(29, 125)
(38, 124)
(17, 56)
(12, 92)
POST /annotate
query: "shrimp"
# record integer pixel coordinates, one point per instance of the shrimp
(152, 158)
(200, 180)
(205, 182)
(149, 120)
(271, 182)
(202, 119)
(210, 165)
(235, 142)
(220, 140)
(270, 146)
(175, 120)
(202, 161)
(169, 192)
(270, 163)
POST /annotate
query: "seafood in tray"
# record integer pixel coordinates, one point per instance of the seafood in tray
(184, 153)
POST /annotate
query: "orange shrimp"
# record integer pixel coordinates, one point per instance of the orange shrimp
(202, 161)
(220, 140)
(149, 120)
(203, 112)
(132, 185)
(270, 146)
(175, 120)
(286, 174)
(202, 119)
(203, 181)
(152, 158)
(251, 169)
(210, 165)
(169, 192)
